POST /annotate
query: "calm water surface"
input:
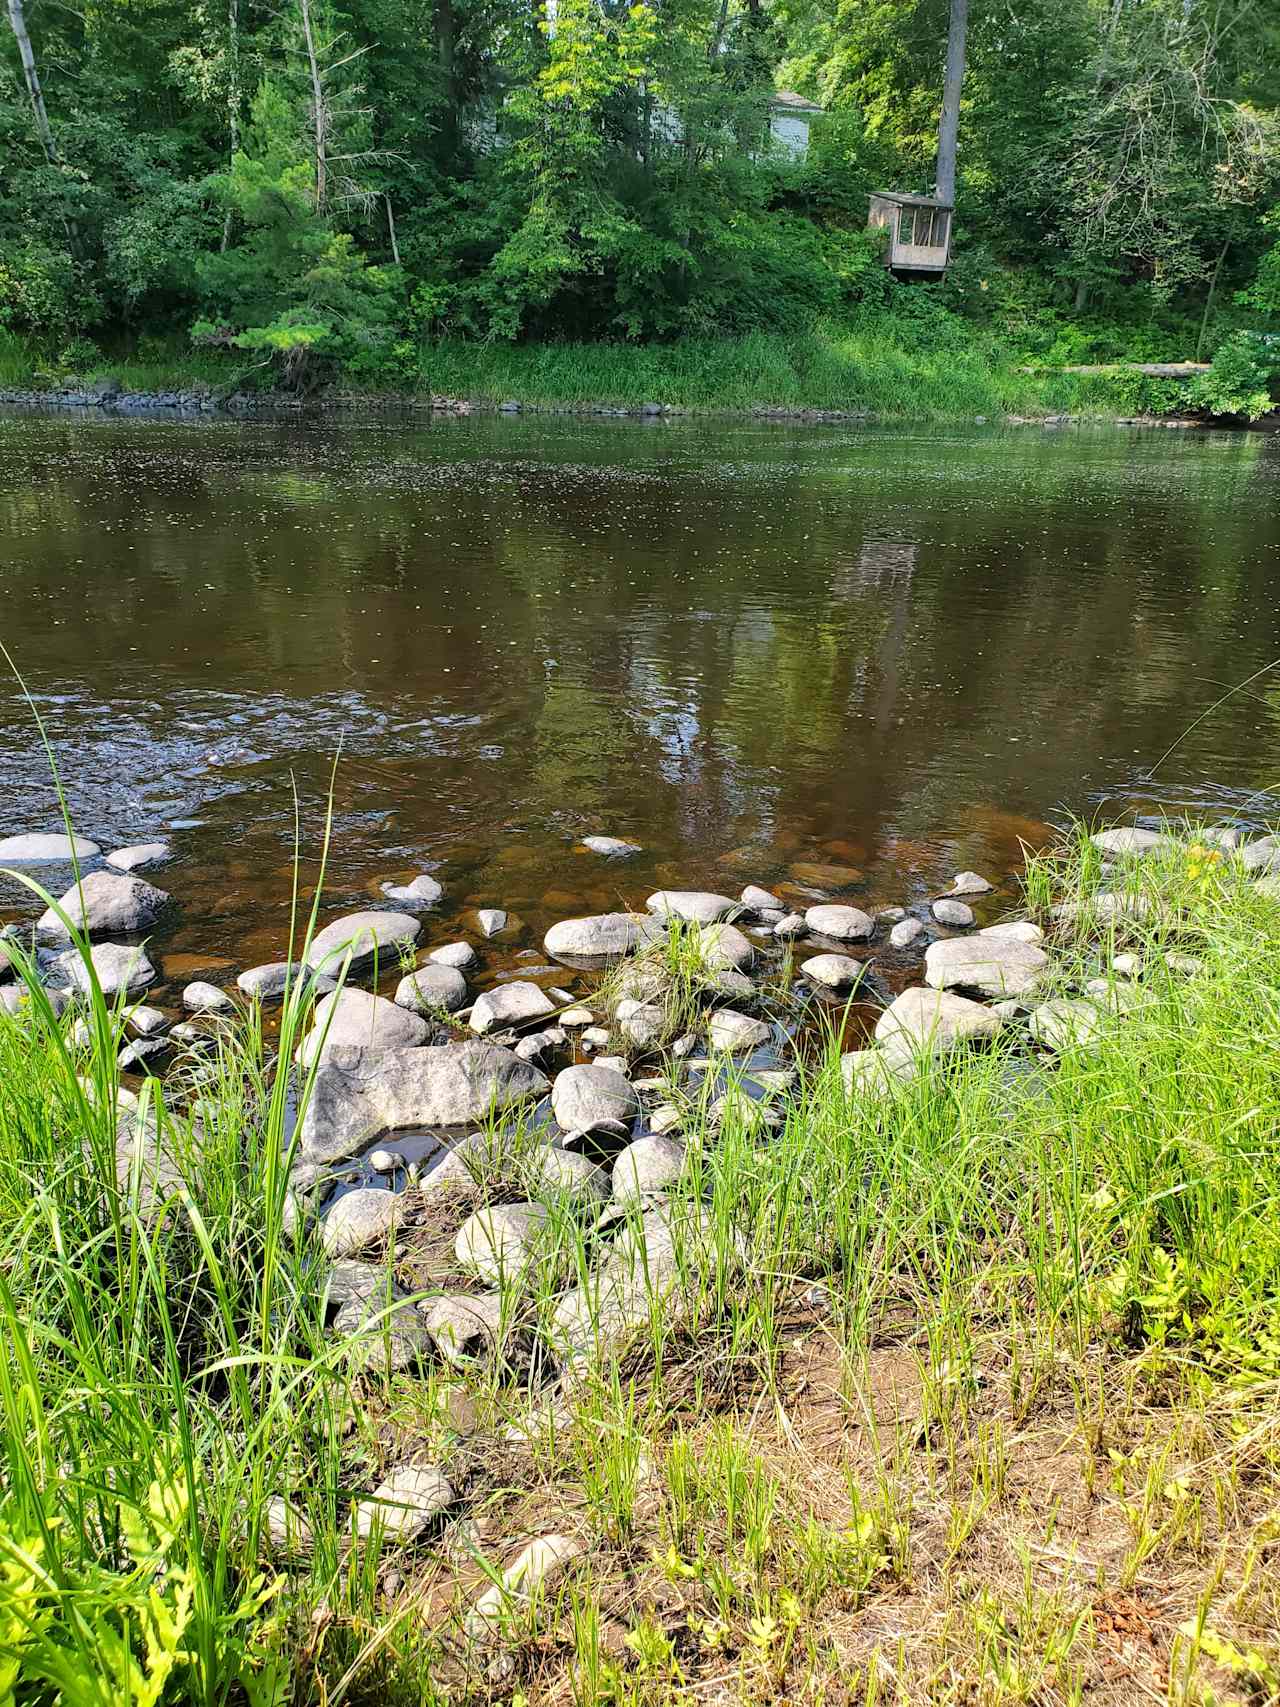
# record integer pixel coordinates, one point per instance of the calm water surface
(752, 648)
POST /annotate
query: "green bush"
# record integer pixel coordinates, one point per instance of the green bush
(1240, 380)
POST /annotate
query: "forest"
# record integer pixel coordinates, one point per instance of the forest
(293, 192)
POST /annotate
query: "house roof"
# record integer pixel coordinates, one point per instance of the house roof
(794, 103)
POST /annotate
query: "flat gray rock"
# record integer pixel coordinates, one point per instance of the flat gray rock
(840, 923)
(933, 1021)
(356, 1097)
(834, 971)
(1129, 842)
(140, 857)
(601, 936)
(954, 913)
(368, 936)
(422, 891)
(202, 998)
(509, 1004)
(37, 849)
(499, 1242)
(1018, 930)
(459, 955)
(403, 1504)
(147, 1022)
(433, 989)
(696, 906)
(648, 1165)
(610, 846)
(729, 1029)
(582, 1097)
(360, 1219)
(106, 903)
(268, 983)
(993, 965)
(906, 932)
(355, 1019)
(117, 967)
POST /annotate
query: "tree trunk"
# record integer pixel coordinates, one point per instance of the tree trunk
(391, 231)
(31, 76)
(319, 114)
(1208, 301)
(233, 99)
(1082, 295)
(949, 123)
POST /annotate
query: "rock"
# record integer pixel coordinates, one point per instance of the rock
(666, 1117)
(876, 1072)
(361, 1218)
(582, 1097)
(356, 1097)
(1066, 1023)
(733, 986)
(403, 1505)
(645, 1026)
(906, 932)
(695, 906)
(1127, 965)
(952, 913)
(790, 925)
(492, 921)
(729, 1029)
(891, 915)
(1019, 930)
(535, 1568)
(370, 936)
(996, 966)
(1190, 965)
(140, 857)
(199, 998)
(735, 1104)
(574, 1018)
(432, 989)
(144, 1055)
(601, 936)
(509, 1004)
(610, 846)
(355, 1019)
(724, 948)
(285, 1528)
(37, 849)
(648, 1165)
(833, 971)
(933, 1021)
(821, 876)
(596, 1037)
(117, 967)
(421, 891)
(759, 900)
(148, 1022)
(268, 983)
(385, 1161)
(841, 924)
(459, 955)
(105, 904)
(386, 1332)
(1131, 843)
(565, 1173)
(1262, 855)
(1104, 908)
(970, 883)
(464, 1326)
(499, 1242)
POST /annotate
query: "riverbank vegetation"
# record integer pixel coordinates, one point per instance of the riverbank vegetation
(956, 1383)
(456, 196)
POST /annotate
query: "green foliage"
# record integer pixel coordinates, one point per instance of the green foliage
(1239, 381)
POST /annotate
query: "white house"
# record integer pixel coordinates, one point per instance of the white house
(790, 116)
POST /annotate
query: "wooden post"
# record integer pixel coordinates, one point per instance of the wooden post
(949, 123)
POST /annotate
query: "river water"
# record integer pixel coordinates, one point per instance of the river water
(753, 648)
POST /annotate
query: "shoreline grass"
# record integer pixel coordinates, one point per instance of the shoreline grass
(964, 1391)
(845, 370)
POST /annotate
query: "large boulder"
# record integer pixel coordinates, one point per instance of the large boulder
(601, 936)
(434, 988)
(39, 849)
(840, 923)
(354, 1019)
(510, 1004)
(582, 1097)
(368, 936)
(933, 1021)
(996, 966)
(696, 906)
(356, 1097)
(105, 903)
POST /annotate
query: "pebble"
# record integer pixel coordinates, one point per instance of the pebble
(385, 1161)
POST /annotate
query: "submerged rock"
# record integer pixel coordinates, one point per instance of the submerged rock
(105, 904)
(367, 936)
(841, 924)
(583, 1097)
(695, 906)
(356, 1097)
(437, 988)
(906, 932)
(610, 846)
(994, 965)
(38, 849)
(509, 1004)
(140, 857)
